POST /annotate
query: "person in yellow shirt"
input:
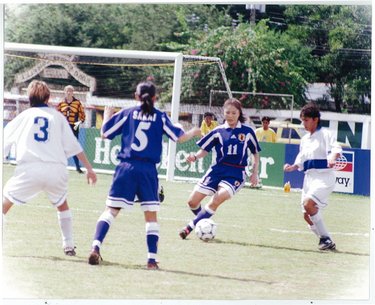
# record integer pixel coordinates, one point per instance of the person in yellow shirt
(265, 133)
(208, 123)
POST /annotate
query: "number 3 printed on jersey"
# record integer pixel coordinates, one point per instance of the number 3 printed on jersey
(42, 134)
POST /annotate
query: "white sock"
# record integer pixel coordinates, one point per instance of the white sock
(66, 226)
(319, 225)
(313, 229)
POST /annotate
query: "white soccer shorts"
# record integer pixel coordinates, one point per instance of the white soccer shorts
(317, 186)
(30, 179)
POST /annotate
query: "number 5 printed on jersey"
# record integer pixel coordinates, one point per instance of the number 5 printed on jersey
(141, 136)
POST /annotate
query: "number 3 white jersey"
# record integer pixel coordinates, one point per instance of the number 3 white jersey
(41, 134)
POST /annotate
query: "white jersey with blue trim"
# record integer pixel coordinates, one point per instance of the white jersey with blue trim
(231, 144)
(141, 134)
(315, 149)
(41, 134)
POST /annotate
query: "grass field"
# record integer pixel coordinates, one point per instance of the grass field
(263, 250)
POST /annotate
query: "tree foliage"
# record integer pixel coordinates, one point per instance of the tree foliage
(317, 43)
(340, 38)
(259, 59)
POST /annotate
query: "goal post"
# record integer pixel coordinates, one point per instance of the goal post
(129, 67)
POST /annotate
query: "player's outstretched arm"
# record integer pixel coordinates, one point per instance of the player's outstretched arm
(199, 154)
(194, 132)
(91, 176)
(290, 168)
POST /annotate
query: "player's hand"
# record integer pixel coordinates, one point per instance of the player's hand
(108, 112)
(254, 179)
(76, 125)
(91, 177)
(191, 158)
(289, 168)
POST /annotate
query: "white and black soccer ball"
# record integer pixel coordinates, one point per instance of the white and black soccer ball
(205, 229)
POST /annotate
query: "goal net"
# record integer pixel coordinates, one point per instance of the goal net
(103, 77)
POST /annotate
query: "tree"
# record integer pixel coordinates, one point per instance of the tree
(259, 59)
(340, 37)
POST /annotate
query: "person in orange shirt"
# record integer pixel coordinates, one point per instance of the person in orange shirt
(73, 110)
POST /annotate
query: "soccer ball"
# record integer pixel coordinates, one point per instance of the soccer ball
(206, 229)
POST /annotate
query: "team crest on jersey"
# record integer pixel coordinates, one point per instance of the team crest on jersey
(241, 137)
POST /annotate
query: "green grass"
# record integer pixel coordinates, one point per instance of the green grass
(263, 249)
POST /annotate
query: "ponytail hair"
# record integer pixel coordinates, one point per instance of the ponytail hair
(145, 93)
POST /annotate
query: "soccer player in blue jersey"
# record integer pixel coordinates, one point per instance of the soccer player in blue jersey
(141, 129)
(317, 157)
(231, 142)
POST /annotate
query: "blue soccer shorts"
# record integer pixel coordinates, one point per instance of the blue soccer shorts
(134, 178)
(230, 178)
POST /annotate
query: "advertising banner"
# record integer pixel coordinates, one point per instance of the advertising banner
(353, 176)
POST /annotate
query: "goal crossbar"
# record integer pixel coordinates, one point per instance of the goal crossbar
(176, 57)
(35, 48)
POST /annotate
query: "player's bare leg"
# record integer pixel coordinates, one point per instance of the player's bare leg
(194, 202)
(7, 204)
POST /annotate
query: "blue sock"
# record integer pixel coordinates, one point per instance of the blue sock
(102, 227)
(152, 245)
(152, 238)
(204, 213)
(196, 210)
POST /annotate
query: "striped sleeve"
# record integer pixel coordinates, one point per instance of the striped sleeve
(113, 126)
(173, 132)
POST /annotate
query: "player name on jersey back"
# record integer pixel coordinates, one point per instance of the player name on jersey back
(143, 117)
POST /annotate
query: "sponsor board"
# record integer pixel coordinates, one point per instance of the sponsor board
(345, 173)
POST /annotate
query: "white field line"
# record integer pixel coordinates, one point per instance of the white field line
(182, 219)
(308, 232)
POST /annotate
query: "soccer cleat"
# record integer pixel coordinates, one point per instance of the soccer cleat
(152, 266)
(80, 171)
(94, 258)
(185, 232)
(69, 251)
(161, 194)
(326, 243)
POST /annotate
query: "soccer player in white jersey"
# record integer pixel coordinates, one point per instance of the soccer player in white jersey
(224, 179)
(44, 142)
(317, 156)
(141, 129)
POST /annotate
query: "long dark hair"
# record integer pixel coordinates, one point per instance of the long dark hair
(145, 92)
(236, 103)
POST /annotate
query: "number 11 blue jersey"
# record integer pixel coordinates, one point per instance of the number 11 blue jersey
(231, 145)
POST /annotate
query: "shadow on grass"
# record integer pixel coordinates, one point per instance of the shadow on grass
(83, 260)
(230, 242)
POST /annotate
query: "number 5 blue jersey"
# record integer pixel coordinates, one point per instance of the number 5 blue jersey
(231, 145)
(141, 135)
